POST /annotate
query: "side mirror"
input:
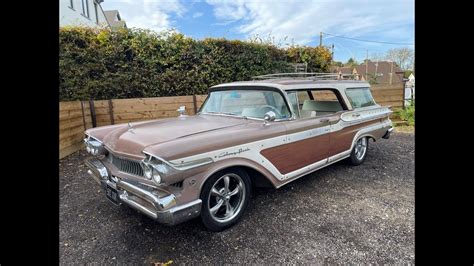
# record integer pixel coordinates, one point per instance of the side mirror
(269, 117)
(181, 110)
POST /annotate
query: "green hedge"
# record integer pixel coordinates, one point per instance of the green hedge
(101, 64)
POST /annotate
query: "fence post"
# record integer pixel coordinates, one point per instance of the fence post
(83, 115)
(195, 103)
(92, 107)
(111, 112)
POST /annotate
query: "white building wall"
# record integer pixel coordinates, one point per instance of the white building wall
(73, 16)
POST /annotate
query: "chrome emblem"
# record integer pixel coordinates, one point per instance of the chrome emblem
(130, 127)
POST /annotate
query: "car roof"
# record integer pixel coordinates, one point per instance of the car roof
(297, 83)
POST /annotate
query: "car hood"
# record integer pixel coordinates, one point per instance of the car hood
(132, 139)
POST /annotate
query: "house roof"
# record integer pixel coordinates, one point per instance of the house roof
(383, 68)
(344, 70)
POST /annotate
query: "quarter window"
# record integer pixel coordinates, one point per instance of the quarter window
(360, 97)
(292, 97)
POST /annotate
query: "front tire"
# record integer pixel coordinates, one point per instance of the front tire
(359, 152)
(225, 196)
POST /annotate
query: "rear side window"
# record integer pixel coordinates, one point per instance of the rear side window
(360, 97)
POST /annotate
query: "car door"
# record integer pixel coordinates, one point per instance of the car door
(307, 141)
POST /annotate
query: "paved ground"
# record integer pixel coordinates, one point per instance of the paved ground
(340, 214)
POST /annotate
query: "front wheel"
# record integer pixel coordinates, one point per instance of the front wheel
(225, 196)
(359, 152)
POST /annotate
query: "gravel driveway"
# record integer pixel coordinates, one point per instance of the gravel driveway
(340, 214)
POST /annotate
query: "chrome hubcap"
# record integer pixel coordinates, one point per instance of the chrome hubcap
(226, 198)
(361, 148)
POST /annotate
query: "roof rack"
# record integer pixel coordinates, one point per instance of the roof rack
(309, 76)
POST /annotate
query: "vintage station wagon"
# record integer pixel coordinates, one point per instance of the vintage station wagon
(265, 132)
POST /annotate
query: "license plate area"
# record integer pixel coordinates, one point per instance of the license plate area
(112, 194)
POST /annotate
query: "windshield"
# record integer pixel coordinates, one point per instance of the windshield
(248, 103)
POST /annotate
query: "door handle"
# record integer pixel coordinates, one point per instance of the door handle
(355, 115)
(324, 120)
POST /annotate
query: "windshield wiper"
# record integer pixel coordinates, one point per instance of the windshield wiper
(224, 113)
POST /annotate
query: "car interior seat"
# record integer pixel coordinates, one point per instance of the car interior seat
(308, 109)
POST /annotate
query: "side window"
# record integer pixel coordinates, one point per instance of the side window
(324, 95)
(314, 103)
(302, 97)
(360, 97)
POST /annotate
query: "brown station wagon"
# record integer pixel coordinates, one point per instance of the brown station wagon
(265, 132)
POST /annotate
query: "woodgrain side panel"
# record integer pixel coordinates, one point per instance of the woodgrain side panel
(341, 140)
(292, 156)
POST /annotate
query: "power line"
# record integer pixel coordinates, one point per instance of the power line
(355, 39)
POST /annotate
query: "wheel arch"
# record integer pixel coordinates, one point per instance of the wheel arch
(258, 174)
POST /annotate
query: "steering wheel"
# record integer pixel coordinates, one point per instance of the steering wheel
(272, 108)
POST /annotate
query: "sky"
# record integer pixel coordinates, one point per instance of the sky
(287, 21)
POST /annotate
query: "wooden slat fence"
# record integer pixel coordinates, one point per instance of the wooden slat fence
(75, 117)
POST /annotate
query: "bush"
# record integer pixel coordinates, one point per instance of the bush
(130, 63)
(408, 114)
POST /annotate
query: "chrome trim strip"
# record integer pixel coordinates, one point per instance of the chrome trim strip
(363, 132)
(183, 165)
(339, 156)
(315, 169)
(305, 169)
(90, 136)
(246, 117)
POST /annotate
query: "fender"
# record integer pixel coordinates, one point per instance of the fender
(236, 162)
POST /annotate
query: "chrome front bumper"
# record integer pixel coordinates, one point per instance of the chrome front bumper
(387, 134)
(158, 205)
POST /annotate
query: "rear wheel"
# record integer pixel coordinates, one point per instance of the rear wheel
(359, 152)
(225, 197)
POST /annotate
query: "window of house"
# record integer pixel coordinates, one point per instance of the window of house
(360, 97)
(96, 13)
(85, 8)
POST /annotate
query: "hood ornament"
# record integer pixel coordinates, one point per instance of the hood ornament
(182, 111)
(130, 127)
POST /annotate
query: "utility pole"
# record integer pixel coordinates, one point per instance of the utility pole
(332, 51)
(376, 66)
(391, 73)
(367, 65)
(320, 39)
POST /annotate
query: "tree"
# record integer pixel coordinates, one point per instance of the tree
(407, 73)
(351, 62)
(403, 57)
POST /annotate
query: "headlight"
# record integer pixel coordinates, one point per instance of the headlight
(147, 171)
(154, 169)
(94, 146)
(156, 176)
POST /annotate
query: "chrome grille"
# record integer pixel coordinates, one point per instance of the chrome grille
(127, 166)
